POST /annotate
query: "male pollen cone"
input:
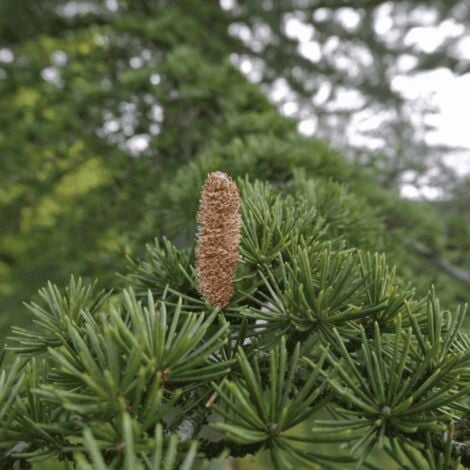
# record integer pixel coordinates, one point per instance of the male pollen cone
(218, 238)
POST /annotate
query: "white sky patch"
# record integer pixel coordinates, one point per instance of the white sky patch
(290, 108)
(330, 46)
(310, 50)
(297, 29)
(155, 79)
(112, 5)
(322, 94)
(383, 22)
(348, 18)
(156, 113)
(154, 128)
(280, 91)
(429, 38)
(362, 54)
(246, 66)
(74, 8)
(111, 126)
(59, 58)
(448, 93)
(241, 31)
(360, 140)
(452, 123)
(347, 99)
(463, 48)
(409, 191)
(459, 160)
(52, 75)
(307, 126)
(227, 4)
(406, 62)
(322, 14)
(252, 68)
(451, 95)
(136, 62)
(137, 144)
(424, 15)
(6, 55)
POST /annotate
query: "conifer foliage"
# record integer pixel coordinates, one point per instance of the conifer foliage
(321, 355)
(318, 353)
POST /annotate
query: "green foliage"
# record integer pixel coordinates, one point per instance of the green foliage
(164, 267)
(325, 355)
(164, 458)
(75, 199)
(263, 409)
(321, 337)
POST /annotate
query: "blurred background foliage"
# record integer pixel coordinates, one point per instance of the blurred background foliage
(112, 113)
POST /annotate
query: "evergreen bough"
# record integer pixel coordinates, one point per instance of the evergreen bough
(322, 355)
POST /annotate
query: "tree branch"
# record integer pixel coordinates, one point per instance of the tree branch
(444, 265)
(459, 448)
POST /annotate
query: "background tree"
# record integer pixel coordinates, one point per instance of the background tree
(339, 63)
(316, 329)
(113, 115)
(95, 104)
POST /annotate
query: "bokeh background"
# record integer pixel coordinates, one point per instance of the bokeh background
(101, 101)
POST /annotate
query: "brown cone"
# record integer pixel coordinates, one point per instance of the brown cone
(219, 237)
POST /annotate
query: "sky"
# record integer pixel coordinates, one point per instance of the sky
(450, 94)
(447, 93)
